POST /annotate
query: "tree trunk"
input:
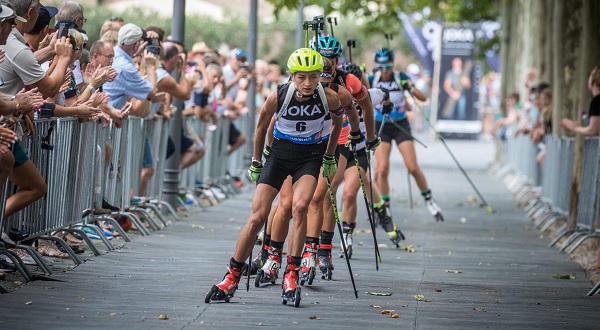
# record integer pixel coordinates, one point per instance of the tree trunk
(506, 12)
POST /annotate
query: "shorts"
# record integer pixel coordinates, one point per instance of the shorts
(391, 132)
(342, 150)
(148, 159)
(233, 133)
(186, 143)
(20, 155)
(362, 159)
(288, 158)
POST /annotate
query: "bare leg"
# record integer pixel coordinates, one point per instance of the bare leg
(147, 174)
(261, 205)
(191, 156)
(31, 187)
(407, 149)
(304, 189)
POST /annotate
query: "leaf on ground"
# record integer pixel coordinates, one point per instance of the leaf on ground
(375, 306)
(381, 294)
(360, 243)
(438, 290)
(163, 317)
(419, 297)
(113, 314)
(408, 248)
(382, 246)
(395, 316)
(565, 276)
(479, 309)
(29, 303)
(454, 271)
(198, 226)
(314, 317)
(427, 300)
(387, 311)
(259, 324)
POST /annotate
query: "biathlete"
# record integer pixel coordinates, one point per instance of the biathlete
(297, 151)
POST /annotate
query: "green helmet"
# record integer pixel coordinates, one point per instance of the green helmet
(305, 60)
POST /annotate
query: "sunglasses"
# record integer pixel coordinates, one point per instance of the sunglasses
(385, 66)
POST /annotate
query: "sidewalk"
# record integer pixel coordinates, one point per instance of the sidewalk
(504, 270)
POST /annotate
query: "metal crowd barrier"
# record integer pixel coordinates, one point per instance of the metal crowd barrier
(520, 154)
(557, 173)
(84, 163)
(588, 209)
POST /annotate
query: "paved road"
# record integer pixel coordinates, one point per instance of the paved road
(504, 271)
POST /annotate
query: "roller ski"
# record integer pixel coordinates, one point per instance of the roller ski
(348, 230)
(433, 207)
(259, 261)
(225, 290)
(291, 291)
(308, 265)
(270, 270)
(324, 260)
(392, 230)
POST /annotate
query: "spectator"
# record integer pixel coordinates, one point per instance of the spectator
(234, 72)
(71, 13)
(20, 68)
(41, 28)
(129, 82)
(593, 125)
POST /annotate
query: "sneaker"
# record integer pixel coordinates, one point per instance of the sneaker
(106, 205)
(101, 211)
(90, 233)
(231, 280)
(5, 266)
(290, 278)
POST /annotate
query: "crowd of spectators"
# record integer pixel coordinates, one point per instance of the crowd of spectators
(47, 62)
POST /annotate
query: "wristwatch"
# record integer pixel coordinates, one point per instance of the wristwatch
(91, 88)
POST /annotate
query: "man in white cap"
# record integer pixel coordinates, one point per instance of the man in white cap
(129, 81)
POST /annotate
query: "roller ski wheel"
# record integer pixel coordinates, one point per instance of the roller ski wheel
(263, 277)
(311, 276)
(349, 252)
(435, 210)
(216, 294)
(293, 296)
(396, 236)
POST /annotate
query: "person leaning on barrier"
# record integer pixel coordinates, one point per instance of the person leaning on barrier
(129, 82)
(234, 72)
(102, 54)
(593, 125)
(173, 63)
(41, 29)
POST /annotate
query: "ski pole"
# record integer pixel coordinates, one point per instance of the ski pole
(484, 203)
(332, 21)
(370, 209)
(339, 225)
(410, 197)
(382, 123)
(351, 43)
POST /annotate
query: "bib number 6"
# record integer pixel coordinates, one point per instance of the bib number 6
(301, 126)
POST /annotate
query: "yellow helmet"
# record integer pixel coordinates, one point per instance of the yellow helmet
(305, 60)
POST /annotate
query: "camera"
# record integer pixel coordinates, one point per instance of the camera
(153, 46)
(63, 30)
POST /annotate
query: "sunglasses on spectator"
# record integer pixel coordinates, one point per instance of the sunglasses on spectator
(116, 19)
(385, 66)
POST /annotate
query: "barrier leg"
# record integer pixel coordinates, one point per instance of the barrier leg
(172, 210)
(156, 211)
(146, 215)
(115, 225)
(36, 257)
(576, 234)
(562, 231)
(100, 234)
(583, 239)
(594, 290)
(17, 262)
(551, 221)
(64, 244)
(136, 221)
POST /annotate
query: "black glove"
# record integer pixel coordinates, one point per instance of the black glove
(386, 93)
(266, 151)
(354, 138)
(407, 86)
(372, 145)
(387, 109)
